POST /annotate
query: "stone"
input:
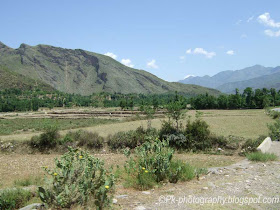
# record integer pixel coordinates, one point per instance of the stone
(121, 196)
(115, 201)
(139, 208)
(146, 192)
(33, 206)
(205, 188)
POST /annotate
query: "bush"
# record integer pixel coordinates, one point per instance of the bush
(130, 139)
(167, 129)
(274, 130)
(181, 171)
(261, 157)
(251, 145)
(78, 179)
(274, 114)
(90, 140)
(47, 140)
(14, 198)
(150, 164)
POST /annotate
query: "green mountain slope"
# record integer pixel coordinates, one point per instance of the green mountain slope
(82, 72)
(10, 79)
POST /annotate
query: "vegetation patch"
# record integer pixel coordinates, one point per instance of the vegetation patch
(14, 198)
(78, 179)
(261, 157)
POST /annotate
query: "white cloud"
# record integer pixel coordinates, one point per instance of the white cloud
(238, 22)
(272, 33)
(230, 52)
(250, 19)
(190, 75)
(267, 21)
(203, 52)
(189, 51)
(152, 64)
(182, 57)
(112, 55)
(127, 62)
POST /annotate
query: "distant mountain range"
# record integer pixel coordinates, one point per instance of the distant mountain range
(80, 72)
(227, 81)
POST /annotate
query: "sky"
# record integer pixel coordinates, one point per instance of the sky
(169, 38)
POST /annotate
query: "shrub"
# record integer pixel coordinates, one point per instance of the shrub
(274, 130)
(167, 129)
(274, 114)
(130, 139)
(261, 157)
(251, 145)
(197, 135)
(14, 198)
(47, 140)
(150, 164)
(181, 171)
(78, 178)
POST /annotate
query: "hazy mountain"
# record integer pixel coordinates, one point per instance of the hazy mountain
(227, 81)
(266, 81)
(83, 72)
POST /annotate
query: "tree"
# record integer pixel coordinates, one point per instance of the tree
(175, 111)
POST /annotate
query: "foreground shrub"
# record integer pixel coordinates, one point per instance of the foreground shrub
(274, 130)
(251, 145)
(130, 139)
(261, 157)
(84, 139)
(181, 171)
(47, 140)
(274, 114)
(14, 198)
(78, 179)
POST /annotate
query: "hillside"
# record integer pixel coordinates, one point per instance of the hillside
(9, 79)
(82, 72)
(227, 81)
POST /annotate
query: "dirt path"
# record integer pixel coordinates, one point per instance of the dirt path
(245, 180)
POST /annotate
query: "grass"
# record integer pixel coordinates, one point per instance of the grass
(261, 157)
(14, 198)
(28, 181)
(11, 126)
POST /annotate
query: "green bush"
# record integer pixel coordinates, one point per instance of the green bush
(14, 198)
(274, 130)
(261, 157)
(274, 114)
(47, 140)
(181, 171)
(251, 145)
(90, 140)
(130, 139)
(167, 129)
(78, 179)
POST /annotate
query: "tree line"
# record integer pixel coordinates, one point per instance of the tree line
(27, 100)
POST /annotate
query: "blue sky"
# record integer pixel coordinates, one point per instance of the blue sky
(170, 39)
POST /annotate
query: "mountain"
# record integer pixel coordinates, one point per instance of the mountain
(83, 72)
(10, 79)
(266, 81)
(228, 81)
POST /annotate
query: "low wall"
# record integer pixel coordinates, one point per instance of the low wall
(265, 145)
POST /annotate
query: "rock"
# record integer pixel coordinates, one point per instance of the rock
(121, 196)
(205, 188)
(139, 208)
(211, 184)
(33, 206)
(115, 201)
(227, 175)
(146, 192)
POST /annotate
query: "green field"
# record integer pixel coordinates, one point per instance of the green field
(16, 126)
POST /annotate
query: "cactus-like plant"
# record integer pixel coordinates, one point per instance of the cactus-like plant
(77, 178)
